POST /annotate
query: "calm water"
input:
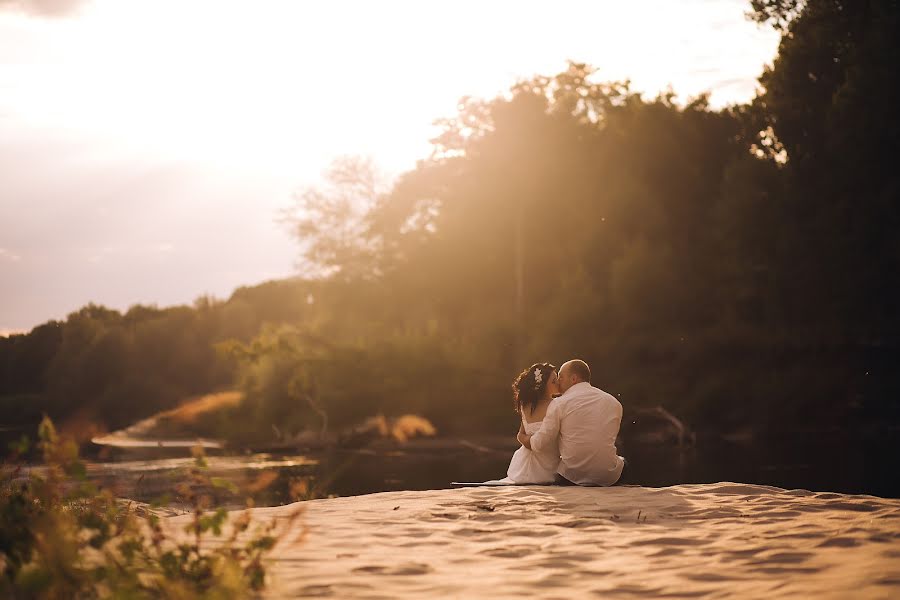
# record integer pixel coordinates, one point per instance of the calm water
(821, 463)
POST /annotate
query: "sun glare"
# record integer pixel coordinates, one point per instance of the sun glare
(279, 85)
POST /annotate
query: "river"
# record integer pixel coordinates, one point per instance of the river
(822, 462)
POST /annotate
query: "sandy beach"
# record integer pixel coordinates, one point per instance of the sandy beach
(718, 540)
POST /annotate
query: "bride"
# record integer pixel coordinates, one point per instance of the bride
(533, 390)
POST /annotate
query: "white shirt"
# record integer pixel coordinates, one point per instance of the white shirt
(586, 420)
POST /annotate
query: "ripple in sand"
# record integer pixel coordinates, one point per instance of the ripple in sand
(317, 591)
(509, 551)
(670, 541)
(667, 552)
(634, 590)
(840, 542)
(851, 506)
(784, 558)
(788, 570)
(403, 569)
(708, 577)
(701, 550)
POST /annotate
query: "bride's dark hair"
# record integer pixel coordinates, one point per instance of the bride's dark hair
(528, 388)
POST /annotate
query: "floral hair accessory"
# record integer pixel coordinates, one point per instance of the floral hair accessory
(538, 378)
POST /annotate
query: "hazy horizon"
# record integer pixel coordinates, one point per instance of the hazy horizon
(148, 146)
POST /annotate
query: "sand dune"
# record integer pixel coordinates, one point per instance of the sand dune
(720, 540)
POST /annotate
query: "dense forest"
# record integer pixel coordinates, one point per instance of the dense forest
(738, 266)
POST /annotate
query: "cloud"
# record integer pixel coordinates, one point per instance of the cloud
(43, 8)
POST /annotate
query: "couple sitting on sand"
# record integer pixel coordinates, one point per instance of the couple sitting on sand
(569, 428)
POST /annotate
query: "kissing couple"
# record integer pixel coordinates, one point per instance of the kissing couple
(568, 428)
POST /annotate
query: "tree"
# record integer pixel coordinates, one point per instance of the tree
(330, 220)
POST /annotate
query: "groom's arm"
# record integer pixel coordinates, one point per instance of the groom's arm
(549, 431)
(521, 436)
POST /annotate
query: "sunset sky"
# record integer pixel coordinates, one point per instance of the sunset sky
(147, 145)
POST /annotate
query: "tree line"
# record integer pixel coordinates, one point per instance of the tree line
(736, 265)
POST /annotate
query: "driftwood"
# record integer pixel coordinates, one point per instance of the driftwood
(665, 426)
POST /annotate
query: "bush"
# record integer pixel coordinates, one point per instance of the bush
(62, 537)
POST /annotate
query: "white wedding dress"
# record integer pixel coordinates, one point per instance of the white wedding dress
(528, 466)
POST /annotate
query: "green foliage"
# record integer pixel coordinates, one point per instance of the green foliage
(295, 380)
(709, 260)
(830, 101)
(778, 13)
(105, 369)
(62, 537)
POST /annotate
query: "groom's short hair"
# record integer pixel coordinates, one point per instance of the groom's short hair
(580, 369)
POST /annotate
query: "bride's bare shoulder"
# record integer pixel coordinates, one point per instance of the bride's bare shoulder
(540, 411)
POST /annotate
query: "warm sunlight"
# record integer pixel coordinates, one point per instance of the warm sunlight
(275, 86)
(168, 129)
(432, 299)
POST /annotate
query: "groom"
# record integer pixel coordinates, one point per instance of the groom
(586, 421)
